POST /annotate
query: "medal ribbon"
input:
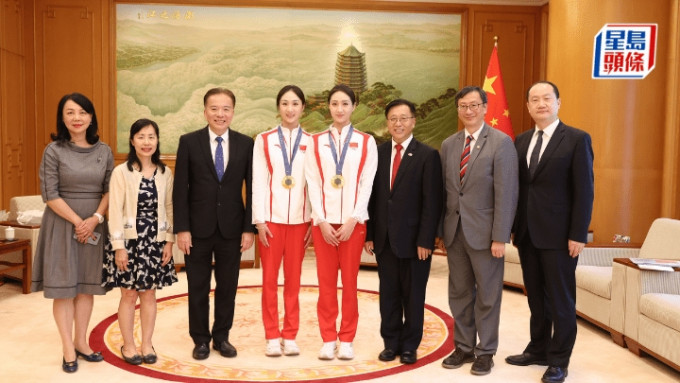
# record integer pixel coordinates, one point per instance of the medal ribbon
(339, 164)
(288, 166)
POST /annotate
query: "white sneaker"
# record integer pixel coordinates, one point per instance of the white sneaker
(273, 347)
(346, 351)
(290, 348)
(327, 351)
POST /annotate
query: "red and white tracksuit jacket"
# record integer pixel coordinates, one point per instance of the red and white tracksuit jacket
(336, 206)
(287, 215)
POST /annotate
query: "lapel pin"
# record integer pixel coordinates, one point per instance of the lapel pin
(410, 154)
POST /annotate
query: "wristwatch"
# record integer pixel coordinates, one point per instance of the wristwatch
(100, 217)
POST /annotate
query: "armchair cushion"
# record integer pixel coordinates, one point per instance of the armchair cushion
(663, 308)
(596, 279)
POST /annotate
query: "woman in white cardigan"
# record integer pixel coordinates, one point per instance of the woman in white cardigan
(139, 256)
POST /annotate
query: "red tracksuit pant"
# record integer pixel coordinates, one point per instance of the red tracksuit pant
(329, 259)
(287, 244)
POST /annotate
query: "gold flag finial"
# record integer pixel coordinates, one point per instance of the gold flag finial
(495, 41)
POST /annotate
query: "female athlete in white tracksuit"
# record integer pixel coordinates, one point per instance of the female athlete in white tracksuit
(340, 164)
(281, 213)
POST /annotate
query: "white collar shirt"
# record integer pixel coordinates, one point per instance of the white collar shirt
(404, 145)
(548, 132)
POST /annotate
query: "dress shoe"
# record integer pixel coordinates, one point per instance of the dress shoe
(526, 359)
(150, 358)
(135, 360)
(554, 375)
(225, 348)
(408, 357)
(69, 366)
(201, 351)
(458, 358)
(482, 365)
(387, 355)
(94, 357)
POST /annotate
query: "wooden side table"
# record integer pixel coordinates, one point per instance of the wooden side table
(24, 245)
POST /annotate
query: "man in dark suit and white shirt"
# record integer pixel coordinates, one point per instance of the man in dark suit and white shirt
(404, 211)
(480, 175)
(555, 205)
(212, 165)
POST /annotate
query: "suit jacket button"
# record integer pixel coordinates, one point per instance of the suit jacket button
(460, 194)
(457, 212)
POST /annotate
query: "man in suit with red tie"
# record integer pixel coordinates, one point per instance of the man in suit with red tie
(404, 211)
(212, 165)
(553, 214)
(480, 175)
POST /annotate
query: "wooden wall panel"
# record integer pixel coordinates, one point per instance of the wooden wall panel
(626, 118)
(68, 57)
(671, 185)
(519, 31)
(13, 134)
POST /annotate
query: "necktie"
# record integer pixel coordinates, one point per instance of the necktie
(219, 158)
(533, 160)
(464, 157)
(396, 163)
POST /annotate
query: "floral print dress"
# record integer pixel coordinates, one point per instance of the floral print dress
(145, 254)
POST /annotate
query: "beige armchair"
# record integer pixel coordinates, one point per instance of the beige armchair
(16, 206)
(598, 287)
(512, 269)
(651, 307)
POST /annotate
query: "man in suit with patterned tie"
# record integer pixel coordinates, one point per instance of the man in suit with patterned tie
(404, 211)
(212, 165)
(555, 205)
(480, 176)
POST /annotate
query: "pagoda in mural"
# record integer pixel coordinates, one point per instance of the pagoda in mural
(350, 69)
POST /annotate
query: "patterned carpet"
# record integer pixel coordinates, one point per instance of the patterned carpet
(173, 344)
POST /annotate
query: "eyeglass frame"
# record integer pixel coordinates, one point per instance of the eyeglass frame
(471, 107)
(403, 120)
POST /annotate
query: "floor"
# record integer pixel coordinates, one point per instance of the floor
(32, 350)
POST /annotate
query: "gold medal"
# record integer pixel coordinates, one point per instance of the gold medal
(338, 181)
(288, 182)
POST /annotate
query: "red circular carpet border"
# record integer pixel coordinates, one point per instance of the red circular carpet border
(98, 342)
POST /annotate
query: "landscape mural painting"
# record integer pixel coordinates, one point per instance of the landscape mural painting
(168, 56)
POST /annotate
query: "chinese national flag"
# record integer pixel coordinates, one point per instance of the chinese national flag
(498, 114)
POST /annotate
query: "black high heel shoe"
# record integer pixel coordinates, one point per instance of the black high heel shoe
(69, 366)
(150, 358)
(136, 360)
(94, 357)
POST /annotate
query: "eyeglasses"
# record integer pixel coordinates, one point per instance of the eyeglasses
(403, 120)
(472, 107)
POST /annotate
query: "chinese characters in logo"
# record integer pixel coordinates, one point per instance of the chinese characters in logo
(624, 51)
